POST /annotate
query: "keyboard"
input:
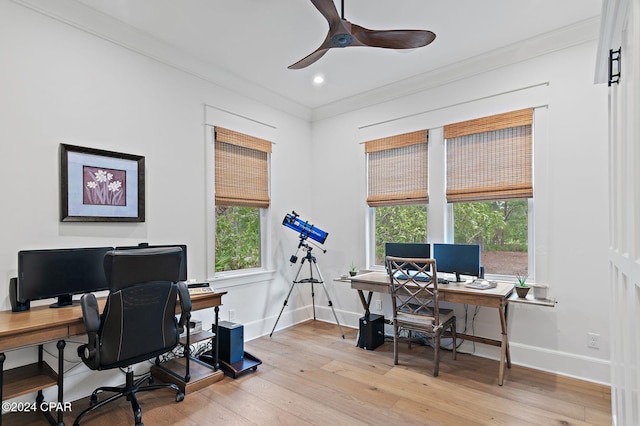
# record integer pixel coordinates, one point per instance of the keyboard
(200, 290)
(481, 284)
(421, 277)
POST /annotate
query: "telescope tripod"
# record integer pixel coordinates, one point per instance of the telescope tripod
(311, 259)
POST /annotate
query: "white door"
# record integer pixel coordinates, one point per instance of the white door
(624, 220)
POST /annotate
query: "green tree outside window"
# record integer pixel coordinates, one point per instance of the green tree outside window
(501, 230)
(237, 238)
(399, 224)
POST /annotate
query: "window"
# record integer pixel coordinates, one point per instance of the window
(237, 238)
(399, 224)
(490, 183)
(397, 190)
(500, 228)
(241, 192)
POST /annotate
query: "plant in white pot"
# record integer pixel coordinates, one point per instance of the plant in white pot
(522, 288)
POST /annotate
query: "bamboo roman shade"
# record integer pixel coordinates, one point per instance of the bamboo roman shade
(241, 167)
(490, 158)
(397, 170)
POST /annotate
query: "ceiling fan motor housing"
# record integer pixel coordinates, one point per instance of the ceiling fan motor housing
(342, 40)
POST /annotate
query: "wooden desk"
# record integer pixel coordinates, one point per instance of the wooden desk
(497, 297)
(41, 325)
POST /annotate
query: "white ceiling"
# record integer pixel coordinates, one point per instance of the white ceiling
(255, 40)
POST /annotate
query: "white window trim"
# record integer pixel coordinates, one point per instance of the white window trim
(228, 279)
(371, 240)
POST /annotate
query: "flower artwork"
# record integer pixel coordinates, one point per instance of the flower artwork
(104, 186)
(100, 186)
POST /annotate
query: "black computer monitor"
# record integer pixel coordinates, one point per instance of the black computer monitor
(459, 259)
(412, 250)
(183, 265)
(61, 273)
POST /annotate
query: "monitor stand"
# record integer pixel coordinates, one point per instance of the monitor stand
(63, 302)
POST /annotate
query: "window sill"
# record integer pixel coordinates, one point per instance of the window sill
(530, 300)
(224, 280)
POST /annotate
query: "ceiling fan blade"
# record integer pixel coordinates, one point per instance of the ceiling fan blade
(339, 29)
(343, 33)
(309, 59)
(328, 9)
(392, 39)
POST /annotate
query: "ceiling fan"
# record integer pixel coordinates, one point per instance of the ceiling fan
(343, 33)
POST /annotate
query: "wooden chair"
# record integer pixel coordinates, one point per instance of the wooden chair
(414, 295)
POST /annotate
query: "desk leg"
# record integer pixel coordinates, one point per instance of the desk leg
(506, 323)
(366, 303)
(187, 351)
(503, 350)
(40, 396)
(504, 345)
(217, 343)
(2, 358)
(61, 344)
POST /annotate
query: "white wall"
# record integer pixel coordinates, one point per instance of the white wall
(570, 198)
(62, 85)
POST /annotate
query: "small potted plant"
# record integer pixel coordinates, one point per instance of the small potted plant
(522, 288)
(353, 271)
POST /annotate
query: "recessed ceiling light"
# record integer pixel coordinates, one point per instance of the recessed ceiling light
(318, 80)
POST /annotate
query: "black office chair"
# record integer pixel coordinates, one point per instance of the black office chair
(138, 322)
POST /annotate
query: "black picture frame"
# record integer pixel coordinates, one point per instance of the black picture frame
(101, 186)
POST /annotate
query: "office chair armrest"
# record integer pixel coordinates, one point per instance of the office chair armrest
(185, 305)
(91, 315)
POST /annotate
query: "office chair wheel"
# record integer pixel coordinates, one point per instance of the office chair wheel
(179, 396)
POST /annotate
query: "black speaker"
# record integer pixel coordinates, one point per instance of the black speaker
(371, 331)
(16, 305)
(231, 345)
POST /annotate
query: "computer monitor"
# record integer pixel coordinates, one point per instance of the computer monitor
(412, 250)
(183, 265)
(459, 259)
(60, 273)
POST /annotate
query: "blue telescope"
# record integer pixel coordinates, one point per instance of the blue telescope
(305, 229)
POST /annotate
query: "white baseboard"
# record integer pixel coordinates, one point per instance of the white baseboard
(552, 361)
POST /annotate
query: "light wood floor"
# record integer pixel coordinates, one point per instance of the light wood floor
(310, 375)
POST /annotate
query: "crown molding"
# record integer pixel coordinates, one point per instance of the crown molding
(112, 30)
(117, 32)
(563, 38)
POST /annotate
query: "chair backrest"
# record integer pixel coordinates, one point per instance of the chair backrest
(414, 287)
(138, 321)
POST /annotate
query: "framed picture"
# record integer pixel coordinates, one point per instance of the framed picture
(100, 186)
